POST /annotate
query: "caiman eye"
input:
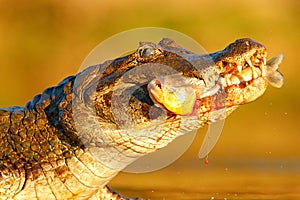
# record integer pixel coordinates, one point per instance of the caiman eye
(146, 51)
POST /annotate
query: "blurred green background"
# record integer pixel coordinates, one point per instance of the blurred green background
(258, 154)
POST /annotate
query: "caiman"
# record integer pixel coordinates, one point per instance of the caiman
(72, 139)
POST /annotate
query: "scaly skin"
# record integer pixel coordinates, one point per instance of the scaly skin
(47, 147)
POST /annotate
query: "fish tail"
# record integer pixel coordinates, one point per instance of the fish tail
(275, 78)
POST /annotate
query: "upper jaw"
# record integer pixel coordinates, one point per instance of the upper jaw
(239, 71)
(241, 62)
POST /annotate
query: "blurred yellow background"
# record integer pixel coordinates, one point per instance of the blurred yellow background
(258, 154)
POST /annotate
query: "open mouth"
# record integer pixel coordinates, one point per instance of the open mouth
(244, 74)
(241, 74)
(186, 99)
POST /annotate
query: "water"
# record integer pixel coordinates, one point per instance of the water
(240, 180)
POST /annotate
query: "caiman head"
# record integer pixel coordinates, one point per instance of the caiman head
(242, 75)
(244, 72)
(144, 100)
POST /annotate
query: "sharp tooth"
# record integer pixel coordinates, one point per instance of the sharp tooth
(262, 66)
(249, 62)
(246, 74)
(256, 73)
(240, 68)
(257, 60)
(234, 80)
(227, 78)
(262, 69)
(251, 66)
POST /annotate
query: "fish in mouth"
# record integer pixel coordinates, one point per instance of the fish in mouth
(244, 74)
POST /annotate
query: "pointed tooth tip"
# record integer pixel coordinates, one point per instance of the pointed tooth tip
(249, 62)
(240, 68)
(256, 73)
(234, 80)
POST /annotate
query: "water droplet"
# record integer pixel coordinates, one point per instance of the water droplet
(206, 161)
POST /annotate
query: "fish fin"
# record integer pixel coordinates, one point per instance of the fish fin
(274, 62)
(275, 78)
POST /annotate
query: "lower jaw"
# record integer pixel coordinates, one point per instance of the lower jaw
(236, 95)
